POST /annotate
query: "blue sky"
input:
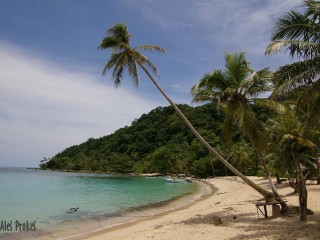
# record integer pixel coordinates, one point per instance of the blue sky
(52, 94)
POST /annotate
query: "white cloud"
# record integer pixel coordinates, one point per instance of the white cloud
(45, 108)
(245, 24)
(235, 25)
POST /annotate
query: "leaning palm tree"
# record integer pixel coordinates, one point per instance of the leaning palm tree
(124, 57)
(235, 90)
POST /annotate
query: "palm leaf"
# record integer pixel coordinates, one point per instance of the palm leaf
(152, 48)
(237, 68)
(301, 49)
(133, 72)
(308, 104)
(257, 82)
(270, 104)
(123, 57)
(108, 42)
(120, 32)
(227, 130)
(295, 75)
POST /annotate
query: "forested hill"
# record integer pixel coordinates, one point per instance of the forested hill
(156, 142)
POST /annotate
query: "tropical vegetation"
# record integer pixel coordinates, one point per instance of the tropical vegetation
(235, 90)
(159, 142)
(298, 34)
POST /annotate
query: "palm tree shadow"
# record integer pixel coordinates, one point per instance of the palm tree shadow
(282, 228)
(226, 219)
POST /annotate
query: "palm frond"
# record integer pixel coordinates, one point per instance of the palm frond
(270, 104)
(152, 48)
(123, 56)
(300, 49)
(237, 68)
(309, 102)
(295, 75)
(202, 95)
(112, 61)
(118, 63)
(286, 137)
(290, 26)
(108, 42)
(306, 143)
(120, 32)
(152, 67)
(257, 82)
(133, 72)
(313, 9)
(227, 130)
(117, 75)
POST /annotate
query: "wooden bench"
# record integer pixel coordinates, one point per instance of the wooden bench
(275, 208)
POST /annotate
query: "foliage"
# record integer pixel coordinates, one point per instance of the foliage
(156, 142)
(297, 33)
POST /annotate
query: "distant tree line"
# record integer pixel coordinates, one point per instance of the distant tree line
(160, 142)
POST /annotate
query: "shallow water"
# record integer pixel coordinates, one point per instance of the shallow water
(44, 197)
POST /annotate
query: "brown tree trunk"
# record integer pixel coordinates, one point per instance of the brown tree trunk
(278, 178)
(213, 173)
(284, 206)
(294, 185)
(303, 197)
(268, 196)
(302, 190)
(318, 170)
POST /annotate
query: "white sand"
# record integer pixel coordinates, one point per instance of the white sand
(232, 199)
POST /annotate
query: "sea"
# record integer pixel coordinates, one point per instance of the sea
(33, 200)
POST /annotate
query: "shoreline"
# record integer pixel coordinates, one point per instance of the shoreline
(233, 202)
(191, 217)
(170, 206)
(81, 228)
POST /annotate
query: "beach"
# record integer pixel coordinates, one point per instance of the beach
(234, 203)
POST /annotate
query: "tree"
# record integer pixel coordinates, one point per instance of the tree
(298, 34)
(295, 150)
(124, 57)
(240, 155)
(234, 89)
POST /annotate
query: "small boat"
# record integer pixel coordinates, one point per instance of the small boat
(178, 180)
(172, 180)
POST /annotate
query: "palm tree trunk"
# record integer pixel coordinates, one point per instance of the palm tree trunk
(213, 173)
(318, 170)
(284, 206)
(278, 178)
(302, 190)
(303, 197)
(268, 196)
(266, 170)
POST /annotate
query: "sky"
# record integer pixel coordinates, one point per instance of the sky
(52, 94)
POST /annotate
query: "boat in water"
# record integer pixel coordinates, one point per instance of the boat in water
(178, 180)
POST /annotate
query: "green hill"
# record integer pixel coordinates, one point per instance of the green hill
(156, 142)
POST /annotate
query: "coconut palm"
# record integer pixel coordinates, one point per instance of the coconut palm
(298, 33)
(234, 89)
(294, 152)
(124, 57)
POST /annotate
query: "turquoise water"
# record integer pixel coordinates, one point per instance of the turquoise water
(46, 196)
